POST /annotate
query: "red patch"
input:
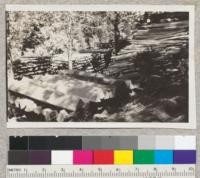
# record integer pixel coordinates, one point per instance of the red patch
(103, 157)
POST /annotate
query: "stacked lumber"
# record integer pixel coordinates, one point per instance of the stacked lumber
(83, 63)
(96, 61)
(89, 61)
(58, 65)
(30, 66)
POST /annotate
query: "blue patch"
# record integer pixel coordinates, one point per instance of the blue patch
(163, 156)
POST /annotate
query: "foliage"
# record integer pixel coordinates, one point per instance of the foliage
(144, 62)
(42, 33)
(167, 73)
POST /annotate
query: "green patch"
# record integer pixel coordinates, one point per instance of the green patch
(143, 157)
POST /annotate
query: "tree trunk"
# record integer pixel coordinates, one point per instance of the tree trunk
(70, 43)
(116, 33)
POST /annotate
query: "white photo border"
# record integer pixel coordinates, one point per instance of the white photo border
(191, 124)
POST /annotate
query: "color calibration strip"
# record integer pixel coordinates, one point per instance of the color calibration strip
(43, 150)
(102, 157)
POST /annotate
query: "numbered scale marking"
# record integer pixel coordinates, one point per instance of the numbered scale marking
(101, 171)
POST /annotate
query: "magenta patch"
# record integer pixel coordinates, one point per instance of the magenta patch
(82, 157)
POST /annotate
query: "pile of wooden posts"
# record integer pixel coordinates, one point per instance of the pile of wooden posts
(58, 65)
(83, 63)
(93, 61)
(97, 60)
(30, 66)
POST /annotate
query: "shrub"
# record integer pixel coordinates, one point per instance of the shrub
(144, 62)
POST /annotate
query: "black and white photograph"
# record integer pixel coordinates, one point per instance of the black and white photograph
(100, 66)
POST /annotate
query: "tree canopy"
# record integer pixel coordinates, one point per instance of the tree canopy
(49, 33)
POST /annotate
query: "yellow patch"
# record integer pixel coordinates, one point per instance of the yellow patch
(123, 157)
